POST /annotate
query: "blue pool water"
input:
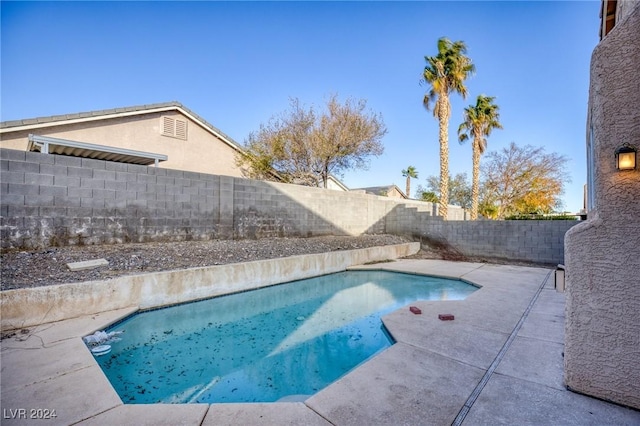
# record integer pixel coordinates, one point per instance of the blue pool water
(284, 341)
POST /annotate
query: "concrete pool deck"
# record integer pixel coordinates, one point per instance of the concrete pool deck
(498, 362)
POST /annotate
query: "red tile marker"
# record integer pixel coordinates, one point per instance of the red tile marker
(415, 310)
(446, 317)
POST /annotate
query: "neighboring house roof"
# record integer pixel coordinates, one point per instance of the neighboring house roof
(80, 117)
(381, 190)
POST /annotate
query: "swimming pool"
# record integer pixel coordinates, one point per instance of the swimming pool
(283, 342)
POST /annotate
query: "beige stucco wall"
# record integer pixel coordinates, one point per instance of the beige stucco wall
(602, 255)
(394, 193)
(624, 8)
(202, 152)
(331, 184)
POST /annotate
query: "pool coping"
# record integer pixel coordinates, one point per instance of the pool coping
(428, 376)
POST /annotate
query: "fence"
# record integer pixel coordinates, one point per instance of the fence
(53, 200)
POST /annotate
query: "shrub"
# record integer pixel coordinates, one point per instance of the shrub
(541, 217)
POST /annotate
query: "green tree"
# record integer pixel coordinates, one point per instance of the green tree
(522, 180)
(479, 120)
(304, 146)
(445, 73)
(429, 196)
(488, 210)
(409, 173)
(458, 186)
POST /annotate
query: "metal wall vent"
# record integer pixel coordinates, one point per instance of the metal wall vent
(174, 127)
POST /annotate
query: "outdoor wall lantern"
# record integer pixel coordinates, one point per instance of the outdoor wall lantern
(626, 157)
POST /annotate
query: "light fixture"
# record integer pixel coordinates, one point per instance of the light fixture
(626, 157)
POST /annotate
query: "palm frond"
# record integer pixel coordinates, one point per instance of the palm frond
(449, 69)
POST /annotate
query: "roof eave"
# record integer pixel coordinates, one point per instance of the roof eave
(39, 123)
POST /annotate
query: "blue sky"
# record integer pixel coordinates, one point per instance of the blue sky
(237, 63)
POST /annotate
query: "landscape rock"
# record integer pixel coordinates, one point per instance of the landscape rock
(47, 267)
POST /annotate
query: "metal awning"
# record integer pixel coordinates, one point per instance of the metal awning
(48, 145)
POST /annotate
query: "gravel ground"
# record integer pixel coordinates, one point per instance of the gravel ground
(47, 267)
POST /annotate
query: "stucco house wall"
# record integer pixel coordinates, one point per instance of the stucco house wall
(624, 8)
(335, 184)
(141, 130)
(602, 254)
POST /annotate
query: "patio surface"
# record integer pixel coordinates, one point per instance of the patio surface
(499, 362)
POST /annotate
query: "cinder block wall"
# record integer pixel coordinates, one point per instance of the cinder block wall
(53, 200)
(50, 200)
(540, 241)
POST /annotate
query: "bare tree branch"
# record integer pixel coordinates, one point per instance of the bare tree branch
(303, 147)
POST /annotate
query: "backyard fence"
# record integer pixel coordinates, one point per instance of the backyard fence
(53, 200)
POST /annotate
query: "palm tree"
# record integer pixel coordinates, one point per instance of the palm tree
(479, 121)
(411, 172)
(445, 73)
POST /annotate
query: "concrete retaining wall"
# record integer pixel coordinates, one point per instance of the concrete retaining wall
(33, 306)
